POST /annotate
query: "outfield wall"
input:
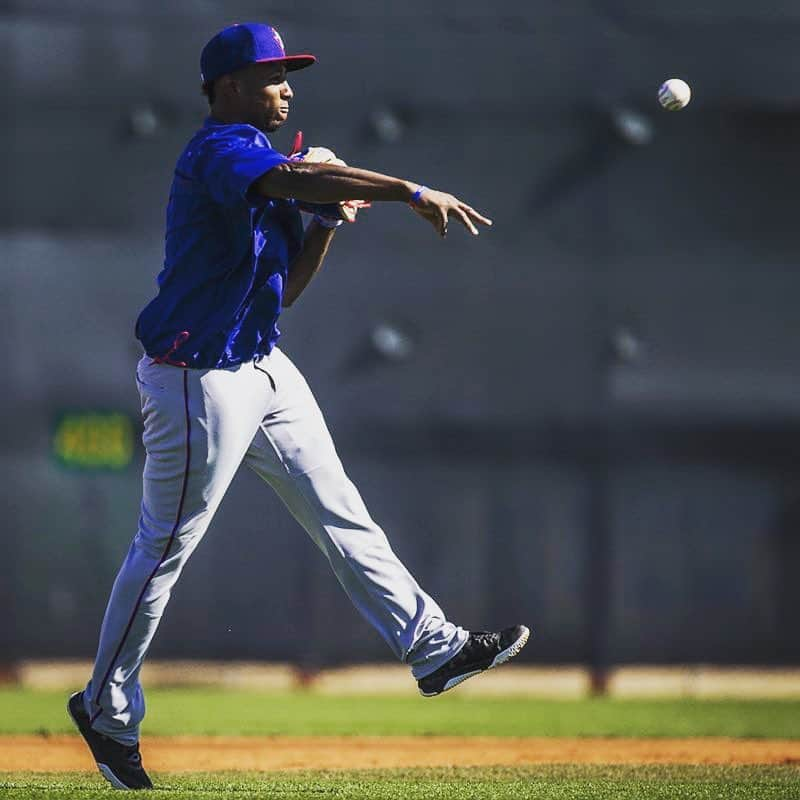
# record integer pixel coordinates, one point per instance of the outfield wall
(565, 681)
(595, 428)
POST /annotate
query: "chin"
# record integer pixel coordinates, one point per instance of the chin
(272, 126)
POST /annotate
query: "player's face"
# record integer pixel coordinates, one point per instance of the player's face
(265, 95)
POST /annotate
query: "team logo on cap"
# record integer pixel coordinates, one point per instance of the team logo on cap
(277, 37)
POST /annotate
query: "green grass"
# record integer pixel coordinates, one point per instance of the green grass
(220, 712)
(542, 783)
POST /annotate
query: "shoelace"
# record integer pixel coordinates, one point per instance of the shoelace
(477, 640)
(485, 637)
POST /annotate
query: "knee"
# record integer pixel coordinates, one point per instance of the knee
(154, 536)
(333, 494)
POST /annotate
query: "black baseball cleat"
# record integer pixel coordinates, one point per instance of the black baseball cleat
(119, 764)
(481, 652)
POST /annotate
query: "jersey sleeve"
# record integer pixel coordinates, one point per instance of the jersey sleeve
(228, 166)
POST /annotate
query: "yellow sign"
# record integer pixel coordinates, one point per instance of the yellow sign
(94, 440)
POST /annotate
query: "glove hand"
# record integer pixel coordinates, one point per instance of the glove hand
(346, 210)
(317, 155)
(350, 208)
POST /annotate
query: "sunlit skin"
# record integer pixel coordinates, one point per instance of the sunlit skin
(259, 95)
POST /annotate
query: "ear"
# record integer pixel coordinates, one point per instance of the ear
(229, 85)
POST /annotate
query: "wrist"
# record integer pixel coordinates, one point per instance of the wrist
(407, 189)
(419, 190)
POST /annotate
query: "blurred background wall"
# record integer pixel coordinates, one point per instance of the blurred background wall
(588, 419)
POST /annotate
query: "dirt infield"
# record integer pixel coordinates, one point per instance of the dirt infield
(209, 754)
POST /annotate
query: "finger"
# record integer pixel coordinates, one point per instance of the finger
(466, 221)
(434, 215)
(442, 222)
(429, 215)
(476, 215)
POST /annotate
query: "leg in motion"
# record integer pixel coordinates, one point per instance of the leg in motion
(198, 425)
(294, 453)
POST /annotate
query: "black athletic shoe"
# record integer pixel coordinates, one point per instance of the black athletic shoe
(481, 652)
(119, 764)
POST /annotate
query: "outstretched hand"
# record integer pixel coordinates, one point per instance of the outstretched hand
(439, 207)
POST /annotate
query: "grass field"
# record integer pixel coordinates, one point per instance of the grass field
(218, 712)
(548, 783)
(236, 713)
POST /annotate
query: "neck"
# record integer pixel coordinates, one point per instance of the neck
(226, 115)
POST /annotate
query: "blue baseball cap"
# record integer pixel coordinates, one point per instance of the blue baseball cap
(237, 46)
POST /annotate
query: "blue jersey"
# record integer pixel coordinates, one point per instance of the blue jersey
(227, 253)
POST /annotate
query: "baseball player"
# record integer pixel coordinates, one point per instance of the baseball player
(216, 391)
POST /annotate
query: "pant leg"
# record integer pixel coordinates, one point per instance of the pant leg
(293, 451)
(197, 428)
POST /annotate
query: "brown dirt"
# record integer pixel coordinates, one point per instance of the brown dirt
(201, 754)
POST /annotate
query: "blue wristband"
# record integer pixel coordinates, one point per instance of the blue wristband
(416, 196)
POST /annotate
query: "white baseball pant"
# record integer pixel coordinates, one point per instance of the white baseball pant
(199, 425)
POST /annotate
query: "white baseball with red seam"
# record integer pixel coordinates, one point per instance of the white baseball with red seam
(674, 94)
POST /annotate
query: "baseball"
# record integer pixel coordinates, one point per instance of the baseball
(674, 94)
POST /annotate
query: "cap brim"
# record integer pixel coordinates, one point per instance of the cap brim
(292, 63)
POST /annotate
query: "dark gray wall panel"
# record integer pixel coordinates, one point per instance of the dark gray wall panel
(614, 359)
